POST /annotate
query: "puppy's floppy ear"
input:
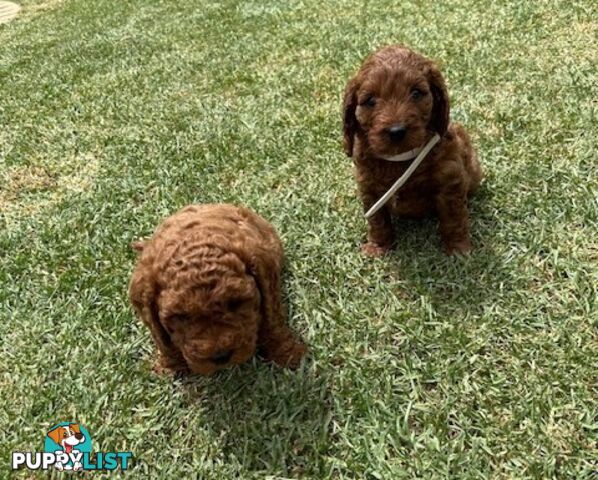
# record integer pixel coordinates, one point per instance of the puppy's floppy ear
(265, 266)
(143, 293)
(263, 261)
(276, 341)
(350, 123)
(56, 434)
(441, 110)
(75, 427)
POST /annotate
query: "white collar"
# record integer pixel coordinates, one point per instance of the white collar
(403, 178)
(403, 157)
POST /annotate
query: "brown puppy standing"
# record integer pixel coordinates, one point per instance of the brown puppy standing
(396, 103)
(207, 284)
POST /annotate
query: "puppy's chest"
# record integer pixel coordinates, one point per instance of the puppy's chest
(415, 199)
(418, 186)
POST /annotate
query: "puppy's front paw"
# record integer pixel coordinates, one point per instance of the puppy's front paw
(167, 366)
(291, 356)
(462, 247)
(372, 249)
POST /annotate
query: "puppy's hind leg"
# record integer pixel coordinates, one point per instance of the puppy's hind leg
(454, 222)
(470, 160)
(474, 169)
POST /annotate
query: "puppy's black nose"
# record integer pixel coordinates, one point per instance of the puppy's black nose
(397, 132)
(79, 436)
(222, 357)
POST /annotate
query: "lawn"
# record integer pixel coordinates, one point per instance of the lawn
(114, 114)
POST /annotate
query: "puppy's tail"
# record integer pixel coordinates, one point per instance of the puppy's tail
(138, 245)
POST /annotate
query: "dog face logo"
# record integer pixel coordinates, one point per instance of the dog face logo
(67, 437)
(73, 440)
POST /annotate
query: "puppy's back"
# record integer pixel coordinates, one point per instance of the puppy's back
(223, 225)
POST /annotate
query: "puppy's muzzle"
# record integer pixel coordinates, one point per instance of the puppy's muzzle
(396, 132)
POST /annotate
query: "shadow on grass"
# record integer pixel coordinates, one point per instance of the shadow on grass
(470, 283)
(268, 420)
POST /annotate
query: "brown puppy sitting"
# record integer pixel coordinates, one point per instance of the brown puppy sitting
(395, 104)
(207, 285)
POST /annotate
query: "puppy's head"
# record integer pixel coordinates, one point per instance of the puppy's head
(394, 102)
(206, 307)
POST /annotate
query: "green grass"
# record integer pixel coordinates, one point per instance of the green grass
(115, 114)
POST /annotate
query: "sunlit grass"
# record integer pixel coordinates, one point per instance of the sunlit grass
(115, 114)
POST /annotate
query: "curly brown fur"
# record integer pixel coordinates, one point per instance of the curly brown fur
(396, 87)
(207, 284)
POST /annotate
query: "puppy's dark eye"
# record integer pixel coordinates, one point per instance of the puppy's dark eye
(233, 304)
(416, 94)
(369, 102)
